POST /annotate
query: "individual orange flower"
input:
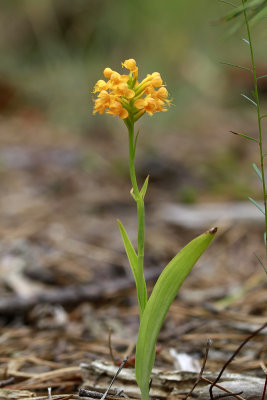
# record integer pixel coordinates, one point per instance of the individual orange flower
(102, 102)
(156, 80)
(108, 72)
(131, 66)
(148, 104)
(100, 85)
(116, 108)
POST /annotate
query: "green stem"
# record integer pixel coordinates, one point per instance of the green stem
(141, 285)
(131, 159)
(256, 93)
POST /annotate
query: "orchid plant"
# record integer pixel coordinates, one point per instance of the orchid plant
(126, 97)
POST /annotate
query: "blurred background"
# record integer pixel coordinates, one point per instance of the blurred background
(53, 52)
(64, 177)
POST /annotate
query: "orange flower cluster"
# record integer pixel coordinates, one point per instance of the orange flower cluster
(124, 96)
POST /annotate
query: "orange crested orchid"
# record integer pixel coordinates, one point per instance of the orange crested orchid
(124, 96)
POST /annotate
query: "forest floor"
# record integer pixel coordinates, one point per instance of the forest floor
(65, 282)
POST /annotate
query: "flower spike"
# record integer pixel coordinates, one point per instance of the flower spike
(124, 96)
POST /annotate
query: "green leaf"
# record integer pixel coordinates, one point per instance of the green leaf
(258, 14)
(131, 254)
(255, 9)
(256, 169)
(144, 188)
(133, 260)
(244, 136)
(235, 65)
(255, 5)
(249, 99)
(257, 205)
(162, 296)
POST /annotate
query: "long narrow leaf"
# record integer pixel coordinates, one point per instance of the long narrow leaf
(249, 99)
(162, 296)
(258, 15)
(257, 205)
(144, 187)
(254, 4)
(244, 136)
(133, 260)
(256, 169)
(131, 254)
(256, 10)
(235, 65)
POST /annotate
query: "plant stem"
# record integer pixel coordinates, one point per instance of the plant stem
(256, 94)
(141, 222)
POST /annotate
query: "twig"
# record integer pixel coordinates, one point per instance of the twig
(220, 396)
(110, 347)
(223, 388)
(233, 356)
(264, 389)
(7, 382)
(113, 379)
(97, 395)
(209, 342)
(90, 393)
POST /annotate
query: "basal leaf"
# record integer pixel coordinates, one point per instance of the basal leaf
(158, 305)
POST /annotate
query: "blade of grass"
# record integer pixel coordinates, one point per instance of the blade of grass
(258, 172)
(144, 187)
(256, 204)
(235, 65)
(249, 99)
(244, 136)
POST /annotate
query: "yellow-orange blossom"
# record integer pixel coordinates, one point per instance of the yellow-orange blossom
(124, 96)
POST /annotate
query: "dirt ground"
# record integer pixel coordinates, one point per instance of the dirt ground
(65, 281)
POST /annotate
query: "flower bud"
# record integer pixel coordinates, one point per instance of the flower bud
(108, 72)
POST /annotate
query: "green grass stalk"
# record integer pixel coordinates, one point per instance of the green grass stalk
(259, 116)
